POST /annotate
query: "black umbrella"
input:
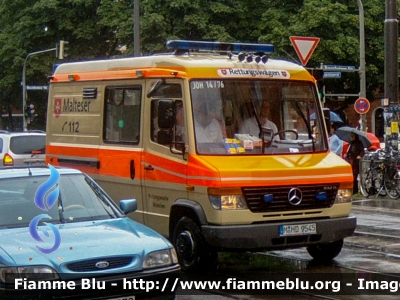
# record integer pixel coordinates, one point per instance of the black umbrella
(344, 133)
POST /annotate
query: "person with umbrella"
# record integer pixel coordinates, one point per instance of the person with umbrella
(335, 143)
(354, 154)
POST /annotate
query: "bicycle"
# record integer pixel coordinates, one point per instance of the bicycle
(371, 180)
(382, 177)
(392, 174)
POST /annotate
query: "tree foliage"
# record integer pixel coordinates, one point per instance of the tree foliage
(97, 29)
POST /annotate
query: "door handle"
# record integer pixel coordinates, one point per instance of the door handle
(132, 169)
(149, 168)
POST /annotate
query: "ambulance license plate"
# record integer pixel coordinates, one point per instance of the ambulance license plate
(297, 229)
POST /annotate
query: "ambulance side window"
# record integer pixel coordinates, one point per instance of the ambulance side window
(172, 129)
(122, 114)
(167, 133)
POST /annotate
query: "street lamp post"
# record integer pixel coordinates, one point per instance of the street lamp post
(363, 92)
(136, 29)
(24, 125)
(391, 75)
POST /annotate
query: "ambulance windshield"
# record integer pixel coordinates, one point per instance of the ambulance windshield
(246, 117)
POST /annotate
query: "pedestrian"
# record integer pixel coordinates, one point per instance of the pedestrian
(354, 155)
(335, 144)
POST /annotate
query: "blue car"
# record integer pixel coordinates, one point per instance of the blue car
(62, 236)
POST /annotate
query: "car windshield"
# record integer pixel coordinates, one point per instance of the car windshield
(79, 199)
(247, 117)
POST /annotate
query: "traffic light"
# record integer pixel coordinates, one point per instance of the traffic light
(62, 49)
(29, 113)
(27, 110)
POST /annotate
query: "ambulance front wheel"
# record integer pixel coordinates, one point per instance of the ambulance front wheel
(193, 252)
(325, 252)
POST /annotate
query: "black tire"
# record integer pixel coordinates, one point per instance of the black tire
(193, 252)
(371, 183)
(364, 183)
(392, 188)
(325, 252)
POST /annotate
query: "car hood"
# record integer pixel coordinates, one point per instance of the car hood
(80, 241)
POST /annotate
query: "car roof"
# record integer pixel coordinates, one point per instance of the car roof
(13, 172)
(14, 133)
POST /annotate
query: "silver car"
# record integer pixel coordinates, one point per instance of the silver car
(22, 148)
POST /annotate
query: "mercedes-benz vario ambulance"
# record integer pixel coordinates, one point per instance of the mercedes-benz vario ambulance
(224, 147)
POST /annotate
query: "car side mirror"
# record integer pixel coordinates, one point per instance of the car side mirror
(128, 206)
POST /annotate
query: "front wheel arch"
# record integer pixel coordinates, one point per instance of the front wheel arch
(186, 208)
(193, 252)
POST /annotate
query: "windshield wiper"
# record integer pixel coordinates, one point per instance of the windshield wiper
(298, 109)
(261, 134)
(253, 110)
(104, 202)
(61, 209)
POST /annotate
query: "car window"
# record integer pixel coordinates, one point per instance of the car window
(1, 145)
(28, 144)
(80, 198)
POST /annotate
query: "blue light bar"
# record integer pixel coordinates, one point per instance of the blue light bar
(217, 46)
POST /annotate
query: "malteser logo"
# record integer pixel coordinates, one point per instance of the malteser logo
(57, 106)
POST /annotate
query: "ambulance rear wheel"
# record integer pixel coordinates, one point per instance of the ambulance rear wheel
(325, 252)
(193, 252)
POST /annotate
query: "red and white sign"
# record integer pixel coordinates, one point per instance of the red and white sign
(57, 106)
(362, 106)
(304, 47)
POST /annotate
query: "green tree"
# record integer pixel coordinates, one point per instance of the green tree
(97, 29)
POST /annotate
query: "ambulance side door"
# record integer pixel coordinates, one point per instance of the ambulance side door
(121, 151)
(164, 160)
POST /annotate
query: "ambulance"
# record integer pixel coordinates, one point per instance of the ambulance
(224, 147)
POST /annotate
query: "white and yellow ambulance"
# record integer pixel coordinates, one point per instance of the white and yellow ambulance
(224, 147)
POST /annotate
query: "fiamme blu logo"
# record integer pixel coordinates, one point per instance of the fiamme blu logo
(45, 197)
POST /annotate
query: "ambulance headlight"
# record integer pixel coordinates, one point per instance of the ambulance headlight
(226, 199)
(344, 196)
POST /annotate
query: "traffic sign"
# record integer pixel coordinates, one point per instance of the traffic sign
(304, 47)
(339, 68)
(37, 87)
(334, 75)
(362, 106)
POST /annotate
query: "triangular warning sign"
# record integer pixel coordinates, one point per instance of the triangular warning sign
(304, 47)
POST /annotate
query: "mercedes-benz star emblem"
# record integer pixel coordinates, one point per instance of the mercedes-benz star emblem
(295, 196)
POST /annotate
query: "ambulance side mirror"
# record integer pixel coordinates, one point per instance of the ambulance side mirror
(166, 119)
(164, 137)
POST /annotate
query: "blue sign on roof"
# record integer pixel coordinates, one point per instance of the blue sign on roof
(332, 75)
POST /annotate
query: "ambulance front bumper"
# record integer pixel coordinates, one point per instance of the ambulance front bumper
(269, 235)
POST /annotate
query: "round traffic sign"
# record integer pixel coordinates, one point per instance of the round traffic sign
(362, 106)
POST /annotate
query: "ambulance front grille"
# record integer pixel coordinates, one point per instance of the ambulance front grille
(276, 198)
